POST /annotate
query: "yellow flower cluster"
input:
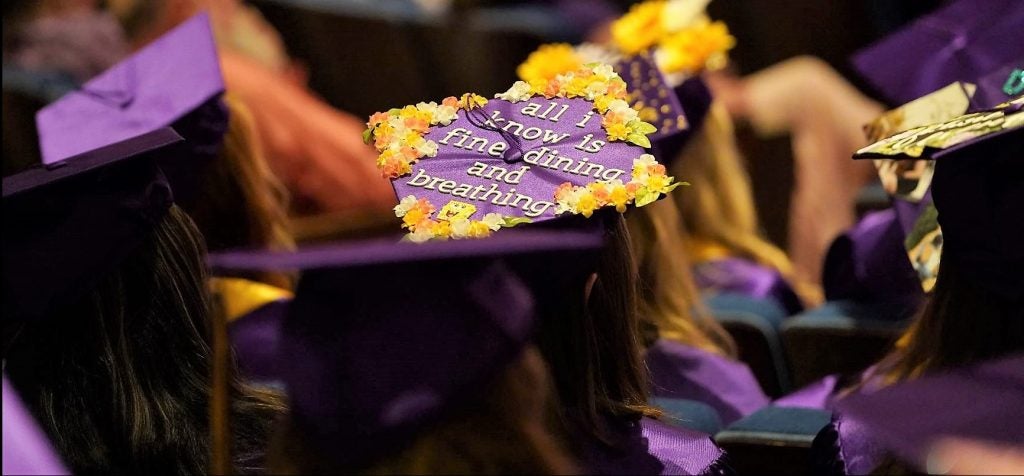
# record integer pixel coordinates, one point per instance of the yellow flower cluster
(398, 134)
(684, 39)
(598, 83)
(416, 217)
(649, 181)
(549, 61)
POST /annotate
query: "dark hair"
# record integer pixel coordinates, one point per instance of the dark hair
(120, 380)
(594, 348)
(961, 324)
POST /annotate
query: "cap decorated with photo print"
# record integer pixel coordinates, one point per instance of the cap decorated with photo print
(470, 166)
(175, 81)
(977, 184)
(67, 223)
(980, 402)
(960, 41)
(26, 448)
(368, 363)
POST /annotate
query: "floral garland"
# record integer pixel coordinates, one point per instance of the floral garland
(416, 217)
(649, 181)
(686, 40)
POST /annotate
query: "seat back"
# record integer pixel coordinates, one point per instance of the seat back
(759, 347)
(689, 414)
(817, 346)
(773, 440)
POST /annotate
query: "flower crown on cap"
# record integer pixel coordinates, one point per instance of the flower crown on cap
(400, 137)
(683, 38)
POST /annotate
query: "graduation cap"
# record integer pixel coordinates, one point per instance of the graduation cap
(27, 450)
(68, 222)
(961, 41)
(385, 337)
(981, 402)
(470, 166)
(977, 185)
(175, 81)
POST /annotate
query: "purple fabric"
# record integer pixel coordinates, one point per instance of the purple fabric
(652, 447)
(385, 337)
(982, 402)
(26, 448)
(648, 86)
(256, 338)
(817, 395)
(695, 98)
(681, 371)
(954, 43)
(173, 81)
(990, 91)
(870, 262)
(453, 162)
(66, 226)
(741, 276)
(854, 449)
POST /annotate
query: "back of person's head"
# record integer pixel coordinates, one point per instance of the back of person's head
(718, 206)
(669, 300)
(240, 203)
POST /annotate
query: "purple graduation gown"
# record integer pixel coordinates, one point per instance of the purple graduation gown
(742, 276)
(26, 448)
(649, 446)
(256, 338)
(681, 371)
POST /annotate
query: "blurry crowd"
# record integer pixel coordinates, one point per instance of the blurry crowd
(204, 270)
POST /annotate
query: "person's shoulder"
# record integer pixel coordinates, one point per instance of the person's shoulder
(681, 450)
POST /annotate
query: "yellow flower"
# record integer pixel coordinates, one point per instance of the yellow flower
(617, 131)
(478, 229)
(549, 61)
(619, 197)
(640, 28)
(471, 101)
(695, 49)
(601, 103)
(587, 204)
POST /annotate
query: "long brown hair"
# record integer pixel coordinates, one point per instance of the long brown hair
(120, 380)
(240, 203)
(718, 207)
(593, 344)
(669, 300)
(503, 432)
(962, 323)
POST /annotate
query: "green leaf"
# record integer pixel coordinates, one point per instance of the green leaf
(639, 139)
(641, 126)
(674, 186)
(645, 197)
(367, 136)
(513, 221)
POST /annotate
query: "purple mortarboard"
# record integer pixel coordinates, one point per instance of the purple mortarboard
(650, 92)
(67, 222)
(695, 98)
(174, 81)
(976, 187)
(26, 448)
(385, 337)
(983, 402)
(959, 42)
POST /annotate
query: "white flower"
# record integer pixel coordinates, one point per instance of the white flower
(427, 107)
(428, 148)
(460, 227)
(595, 89)
(444, 115)
(493, 221)
(680, 14)
(420, 235)
(405, 205)
(604, 71)
(520, 91)
(622, 108)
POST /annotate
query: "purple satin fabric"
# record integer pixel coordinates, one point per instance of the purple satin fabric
(652, 447)
(681, 371)
(256, 338)
(846, 447)
(26, 448)
(869, 262)
(741, 276)
(817, 395)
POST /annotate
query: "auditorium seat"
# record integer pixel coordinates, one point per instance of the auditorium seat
(773, 440)
(818, 344)
(759, 347)
(689, 414)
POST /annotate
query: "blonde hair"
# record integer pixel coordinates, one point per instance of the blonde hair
(669, 298)
(718, 210)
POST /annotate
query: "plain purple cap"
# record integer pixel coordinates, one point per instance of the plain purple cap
(27, 450)
(386, 337)
(960, 41)
(981, 402)
(67, 223)
(175, 81)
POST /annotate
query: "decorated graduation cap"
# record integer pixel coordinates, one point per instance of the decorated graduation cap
(960, 41)
(385, 337)
(977, 184)
(68, 222)
(470, 166)
(980, 402)
(174, 81)
(26, 448)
